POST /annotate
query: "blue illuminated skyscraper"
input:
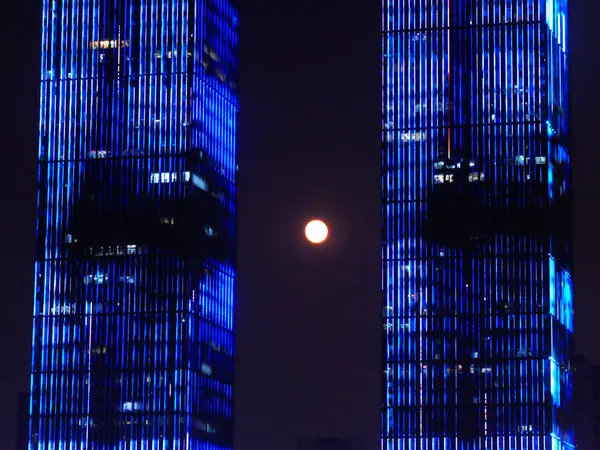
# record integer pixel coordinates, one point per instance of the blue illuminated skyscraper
(478, 312)
(133, 330)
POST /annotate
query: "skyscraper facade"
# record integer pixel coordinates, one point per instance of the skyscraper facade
(478, 311)
(133, 328)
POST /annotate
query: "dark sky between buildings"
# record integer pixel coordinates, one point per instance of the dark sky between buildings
(308, 145)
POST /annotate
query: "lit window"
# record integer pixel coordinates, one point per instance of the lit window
(168, 177)
(131, 406)
(416, 136)
(475, 176)
(99, 278)
(210, 232)
(94, 45)
(63, 309)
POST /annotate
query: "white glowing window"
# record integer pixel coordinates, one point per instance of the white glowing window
(415, 136)
(99, 153)
(168, 177)
(64, 309)
(108, 44)
(99, 278)
(131, 249)
(131, 406)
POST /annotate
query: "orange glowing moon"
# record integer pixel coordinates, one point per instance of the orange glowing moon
(316, 231)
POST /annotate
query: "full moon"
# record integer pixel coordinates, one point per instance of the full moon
(316, 231)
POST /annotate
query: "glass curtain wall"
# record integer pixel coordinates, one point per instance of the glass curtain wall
(478, 304)
(133, 328)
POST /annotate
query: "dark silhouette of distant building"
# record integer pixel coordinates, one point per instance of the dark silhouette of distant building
(329, 444)
(22, 421)
(595, 376)
(587, 405)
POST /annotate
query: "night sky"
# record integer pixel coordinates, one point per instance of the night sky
(308, 318)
